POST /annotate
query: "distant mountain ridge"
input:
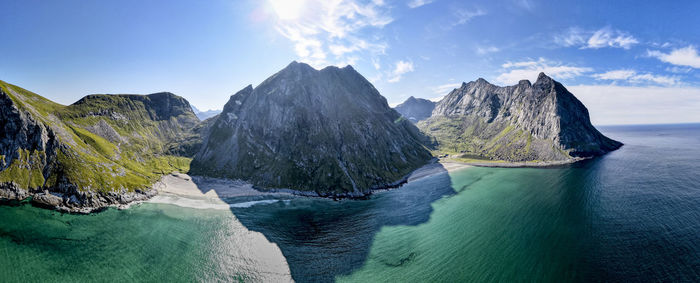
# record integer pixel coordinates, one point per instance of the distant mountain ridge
(416, 109)
(524, 122)
(319, 132)
(203, 115)
(327, 132)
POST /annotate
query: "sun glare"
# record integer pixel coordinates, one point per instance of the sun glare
(287, 9)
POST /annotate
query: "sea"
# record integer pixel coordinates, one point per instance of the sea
(632, 215)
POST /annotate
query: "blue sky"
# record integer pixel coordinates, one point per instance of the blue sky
(630, 62)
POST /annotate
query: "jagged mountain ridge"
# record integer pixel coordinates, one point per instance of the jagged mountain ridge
(203, 115)
(101, 150)
(524, 122)
(328, 131)
(416, 109)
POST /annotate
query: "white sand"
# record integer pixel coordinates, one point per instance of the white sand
(208, 193)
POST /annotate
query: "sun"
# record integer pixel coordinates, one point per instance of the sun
(287, 9)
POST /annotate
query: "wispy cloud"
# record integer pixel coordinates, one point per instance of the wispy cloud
(417, 3)
(445, 88)
(462, 16)
(486, 50)
(632, 76)
(402, 67)
(529, 69)
(686, 56)
(525, 4)
(335, 31)
(604, 37)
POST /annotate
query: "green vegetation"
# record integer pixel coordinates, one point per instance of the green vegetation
(474, 140)
(26, 170)
(108, 142)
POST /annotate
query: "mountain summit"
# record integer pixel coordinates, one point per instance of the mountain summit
(102, 150)
(415, 109)
(524, 122)
(327, 131)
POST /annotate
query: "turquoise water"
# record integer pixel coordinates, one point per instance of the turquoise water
(632, 215)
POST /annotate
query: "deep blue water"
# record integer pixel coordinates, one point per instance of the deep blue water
(631, 215)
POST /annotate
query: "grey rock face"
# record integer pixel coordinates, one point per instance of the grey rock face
(40, 151)
(328, 131)
(524, 122)
(416, 109)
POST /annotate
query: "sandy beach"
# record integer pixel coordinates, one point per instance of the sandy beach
(200, 192)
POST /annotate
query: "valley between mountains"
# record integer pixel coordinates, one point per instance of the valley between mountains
(325, 133)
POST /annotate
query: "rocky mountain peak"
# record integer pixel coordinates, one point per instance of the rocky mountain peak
(415, 109)
(542, 78)
(543, 121)
(328, 131)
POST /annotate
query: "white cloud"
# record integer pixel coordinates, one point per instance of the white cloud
(488, 49)
(612, 104)
(402, 67)
(687, 56)
(444, 89)
(679, 70)
(516, 71)
(615, 75)
(634, 77)
(417, 3)
(604, 37)
(330, 32)
(463, 16)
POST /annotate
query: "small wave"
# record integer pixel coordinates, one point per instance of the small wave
(198, 203)
(251, 203)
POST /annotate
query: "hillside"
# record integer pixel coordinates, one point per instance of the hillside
(324, 131)
(415, 109)
(524, 122)
(102, 150)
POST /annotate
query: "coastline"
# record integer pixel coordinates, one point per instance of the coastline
(521, 164)
(194, 192)
(73, 202)
(208, 193)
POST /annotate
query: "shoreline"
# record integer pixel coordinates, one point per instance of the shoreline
(520, 164)
(197, 192)
(209, 193)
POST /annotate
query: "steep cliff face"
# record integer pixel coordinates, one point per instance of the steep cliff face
(102, 150)
(326, 131)
(415, 109)
(524, 122)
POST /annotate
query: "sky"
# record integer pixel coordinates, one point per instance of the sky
(629, 62)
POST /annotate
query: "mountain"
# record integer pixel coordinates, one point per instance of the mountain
(525, 122)
(203, 115)
(415, 109)
(328, 132)
(102, 150)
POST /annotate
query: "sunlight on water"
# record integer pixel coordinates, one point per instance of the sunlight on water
(633, 215)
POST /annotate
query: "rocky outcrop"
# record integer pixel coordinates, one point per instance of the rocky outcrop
(416, 109)
(328, 131)
(525, 122)
(103, 150)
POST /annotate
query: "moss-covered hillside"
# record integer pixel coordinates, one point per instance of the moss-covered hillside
(540, 122)
(101, 150)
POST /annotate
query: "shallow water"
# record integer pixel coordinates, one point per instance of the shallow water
(632, 215)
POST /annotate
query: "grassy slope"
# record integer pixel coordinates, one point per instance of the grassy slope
(90, 161)
(476, 141)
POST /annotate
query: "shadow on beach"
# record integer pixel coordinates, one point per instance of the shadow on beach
(323, 238)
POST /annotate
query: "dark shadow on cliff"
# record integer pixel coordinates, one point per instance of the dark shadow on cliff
(323, 238)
